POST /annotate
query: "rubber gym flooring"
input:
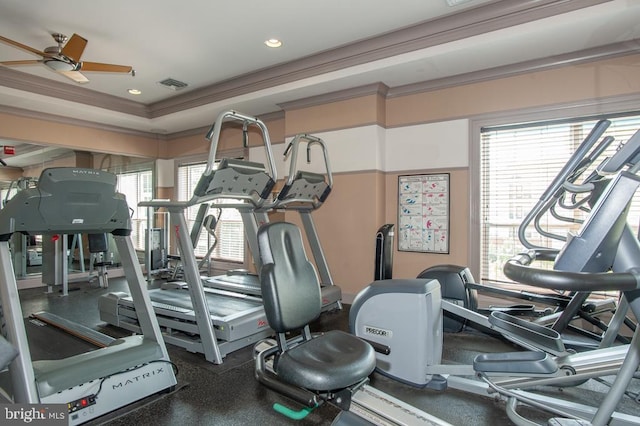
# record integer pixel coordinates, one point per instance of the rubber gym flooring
(228, 394)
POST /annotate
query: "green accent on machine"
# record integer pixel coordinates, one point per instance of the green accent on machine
(293, 414)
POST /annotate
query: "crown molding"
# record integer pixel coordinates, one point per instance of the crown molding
(574, 58)
(55, 89)
(271, 116)
(341, 95)
(470, 22)
(187, 133)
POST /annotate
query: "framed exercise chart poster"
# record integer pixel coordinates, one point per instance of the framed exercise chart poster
(423, 213)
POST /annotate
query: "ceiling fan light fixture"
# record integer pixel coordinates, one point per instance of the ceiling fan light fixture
(273, 43)
(58, 65)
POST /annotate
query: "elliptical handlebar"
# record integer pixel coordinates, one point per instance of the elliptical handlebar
(517, 268)
(579, 160)
(627, 155)
(213, 135)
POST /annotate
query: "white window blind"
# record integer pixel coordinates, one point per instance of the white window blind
(3, 196)
(229, 230)
(137, 186)
(518, 163)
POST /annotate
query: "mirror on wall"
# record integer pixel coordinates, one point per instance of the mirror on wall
(34, 256)
(20, 166)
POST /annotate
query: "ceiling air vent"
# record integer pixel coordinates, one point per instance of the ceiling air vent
(173, 84)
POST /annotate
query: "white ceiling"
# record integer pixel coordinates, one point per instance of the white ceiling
(210, 44)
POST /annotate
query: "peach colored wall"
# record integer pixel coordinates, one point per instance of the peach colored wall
(276, 129)
(230, 138)
(344, 224)
(34, 171)
(350, 113)
(115, 162)
(8, 174)
(612, 77)
(165, 193)
(45, 132)
(84, 159)
(182, 147)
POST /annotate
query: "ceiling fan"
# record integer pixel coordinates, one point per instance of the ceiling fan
(65, 58)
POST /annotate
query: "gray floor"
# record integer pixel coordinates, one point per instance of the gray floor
(228, 394)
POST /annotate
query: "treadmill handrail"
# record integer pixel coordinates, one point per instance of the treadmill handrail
(517, 268)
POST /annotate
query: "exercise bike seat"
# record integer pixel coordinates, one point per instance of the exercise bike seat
(292, 299)
(331, 361)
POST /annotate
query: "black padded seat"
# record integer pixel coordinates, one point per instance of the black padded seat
(334, 360)
(292, 299)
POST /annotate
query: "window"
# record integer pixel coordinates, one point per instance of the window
(137, 187)
(518, 163)
(5, 196)
(229, 230)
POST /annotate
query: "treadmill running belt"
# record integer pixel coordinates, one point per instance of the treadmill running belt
(219, 305)
(245, 280)
(243, 283)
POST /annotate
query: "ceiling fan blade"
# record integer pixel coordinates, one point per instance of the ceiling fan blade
(25, 62)
(75, 76)
(22, 46)
(74, 47)
(98, 67)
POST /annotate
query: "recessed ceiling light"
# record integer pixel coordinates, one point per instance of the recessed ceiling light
(134, 91)
(273, 42)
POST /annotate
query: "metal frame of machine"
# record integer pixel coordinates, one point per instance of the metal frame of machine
(199, 319)
(603, 255)
(216, 316)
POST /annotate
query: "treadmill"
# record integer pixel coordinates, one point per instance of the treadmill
(71, 200)
(211, 321)
(304, 191)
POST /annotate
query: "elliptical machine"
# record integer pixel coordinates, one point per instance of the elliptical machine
(383, 311)
(567, 193)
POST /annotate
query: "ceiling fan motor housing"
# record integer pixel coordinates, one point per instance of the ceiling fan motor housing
(59, 65)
